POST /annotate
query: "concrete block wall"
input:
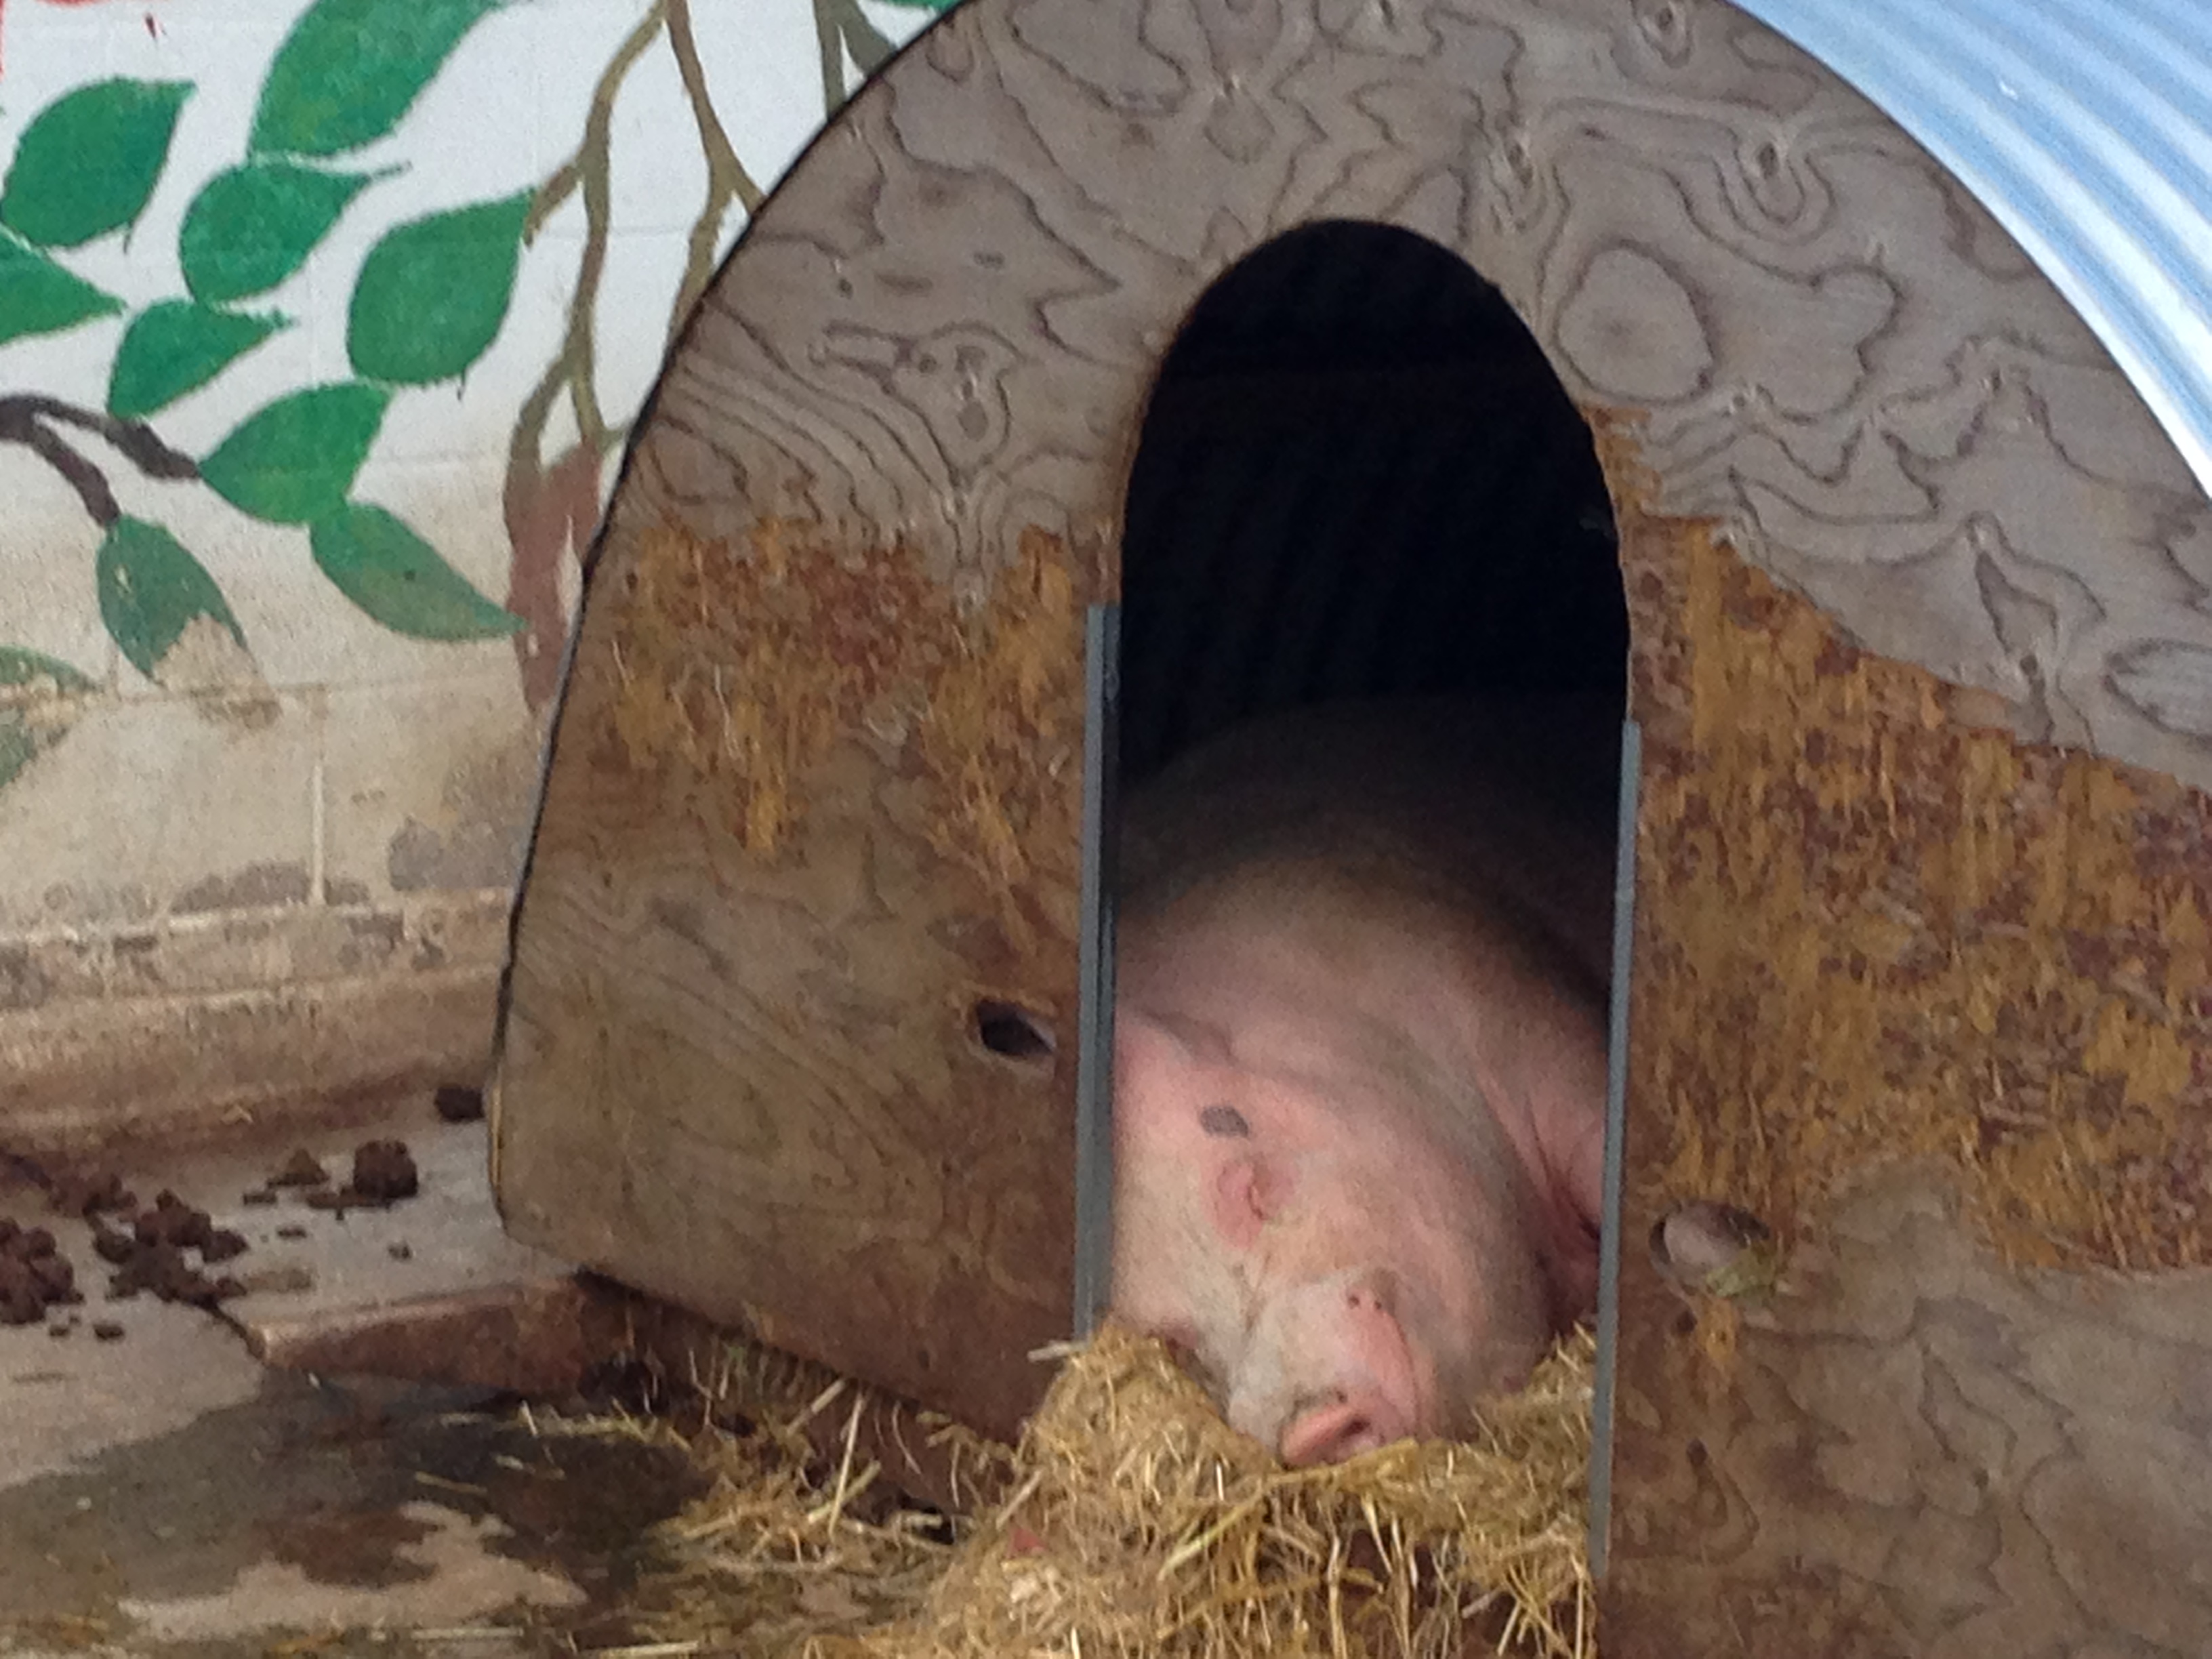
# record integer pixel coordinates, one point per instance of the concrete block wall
(321, 326)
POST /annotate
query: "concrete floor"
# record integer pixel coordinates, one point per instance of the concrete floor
(167, 1492)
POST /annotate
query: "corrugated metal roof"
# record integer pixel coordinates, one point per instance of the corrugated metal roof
(2085, 127)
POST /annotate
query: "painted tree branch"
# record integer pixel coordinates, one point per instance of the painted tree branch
(562, 183)
(726, 178)
(831, 45)
(840, 27)
(589, 170)
(574, 362)
(139, 443)
(80, 473)
(29, 420)
(540, 503)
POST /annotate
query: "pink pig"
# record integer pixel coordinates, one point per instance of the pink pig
(1360, 1061)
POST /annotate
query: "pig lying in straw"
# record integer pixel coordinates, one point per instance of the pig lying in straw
(1360, 1059)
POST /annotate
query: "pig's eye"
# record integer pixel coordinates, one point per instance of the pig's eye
(1226, 1121)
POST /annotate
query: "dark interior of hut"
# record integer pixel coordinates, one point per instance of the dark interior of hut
(1358, 476)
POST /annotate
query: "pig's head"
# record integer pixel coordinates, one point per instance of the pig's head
(1378, 1317)
(1348, 1262)
(1184, 1220)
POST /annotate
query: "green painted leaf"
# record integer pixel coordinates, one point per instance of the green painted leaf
(349, 70)
(24, 671)
(87, 161)
(37, 296)
(253, 225)
(41, 698)
(19, 744)
(399, 579)
(151, 590)
(433, 293)
(172, 348)
(293, 461)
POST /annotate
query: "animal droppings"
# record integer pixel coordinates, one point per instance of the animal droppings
(458, 1103)
(34, 1275)
(302, 1169)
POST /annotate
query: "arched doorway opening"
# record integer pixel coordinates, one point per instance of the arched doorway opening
(1358, 476)
(1358, 480)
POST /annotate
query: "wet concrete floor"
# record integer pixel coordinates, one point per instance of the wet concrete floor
(165, 1493)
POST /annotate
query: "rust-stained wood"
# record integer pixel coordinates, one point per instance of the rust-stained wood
(806, 814)
(1874, 926)
(1932, 1002)
(529, 1336)
(734, 1380)
(1844, 417)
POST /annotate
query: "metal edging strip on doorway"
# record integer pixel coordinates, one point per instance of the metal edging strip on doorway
(1616, 1123)
(1094, 1083)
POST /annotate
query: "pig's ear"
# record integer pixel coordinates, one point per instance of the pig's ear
(1198, 1042)
(1152, 1049)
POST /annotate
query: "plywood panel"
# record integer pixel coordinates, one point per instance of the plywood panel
(1916, 1450)
(759, 923)
(1931, 1001)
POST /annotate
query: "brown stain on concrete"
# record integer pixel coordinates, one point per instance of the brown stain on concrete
(328, 1479)
(254, 887)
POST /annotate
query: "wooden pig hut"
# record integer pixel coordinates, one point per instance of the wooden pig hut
(1605, 310)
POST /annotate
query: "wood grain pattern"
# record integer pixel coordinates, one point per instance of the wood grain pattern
(1932, 1002)
(1917, 1450)
(759, 917)
(1874, 927)
(771, 879)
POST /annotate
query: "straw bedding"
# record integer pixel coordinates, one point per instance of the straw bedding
(1132, 1519)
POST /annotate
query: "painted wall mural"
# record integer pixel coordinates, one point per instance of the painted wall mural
(323, 323)
(422, 308)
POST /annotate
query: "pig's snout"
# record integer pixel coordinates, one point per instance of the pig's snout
(1329, 1374)
(1331, 1432)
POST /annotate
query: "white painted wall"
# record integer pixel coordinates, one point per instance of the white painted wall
(336, 800)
